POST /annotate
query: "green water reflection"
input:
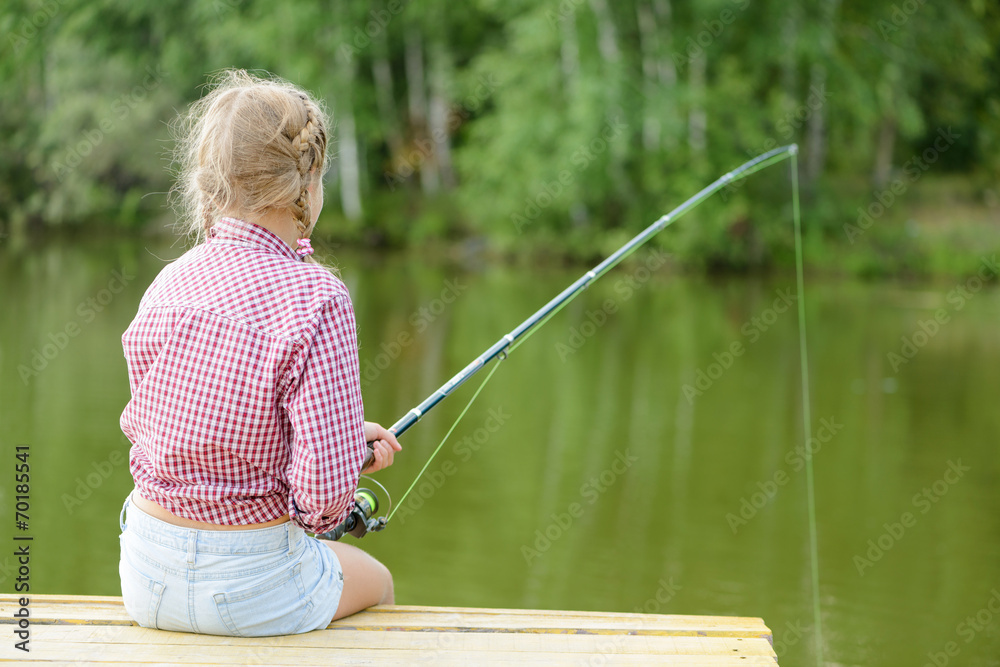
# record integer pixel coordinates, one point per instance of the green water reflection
(586, 476)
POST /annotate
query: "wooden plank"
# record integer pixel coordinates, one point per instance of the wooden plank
(86, 629)
(116, 602)
(518, 625)
(70, 655)
(110, 604)
(70, 609)
(262, 655)
(337, 640)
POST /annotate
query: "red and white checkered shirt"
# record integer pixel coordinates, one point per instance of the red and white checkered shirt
(246, 396)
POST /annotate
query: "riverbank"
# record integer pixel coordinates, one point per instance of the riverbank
(941, 229)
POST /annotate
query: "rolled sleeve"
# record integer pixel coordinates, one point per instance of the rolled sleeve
(325, 410)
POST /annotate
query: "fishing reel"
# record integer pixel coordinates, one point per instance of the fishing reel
(361, 520)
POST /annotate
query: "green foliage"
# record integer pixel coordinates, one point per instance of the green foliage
(565, 125)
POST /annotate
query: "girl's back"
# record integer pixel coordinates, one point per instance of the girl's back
(246, 417)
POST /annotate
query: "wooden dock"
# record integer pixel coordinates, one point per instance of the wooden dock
(82, 630)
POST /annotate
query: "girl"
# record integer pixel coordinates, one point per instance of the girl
(246, 419)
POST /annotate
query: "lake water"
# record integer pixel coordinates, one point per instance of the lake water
(642, 451)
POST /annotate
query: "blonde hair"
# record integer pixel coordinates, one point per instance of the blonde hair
(251, 144)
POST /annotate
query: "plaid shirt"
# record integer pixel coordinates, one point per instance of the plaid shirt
(246, 396)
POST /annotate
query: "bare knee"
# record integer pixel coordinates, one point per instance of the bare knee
(367, 582)
(388, 593)
(382, 581)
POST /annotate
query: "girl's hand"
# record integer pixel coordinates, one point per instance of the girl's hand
(384, 444)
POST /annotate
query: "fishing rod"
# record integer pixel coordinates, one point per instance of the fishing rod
(361, 520)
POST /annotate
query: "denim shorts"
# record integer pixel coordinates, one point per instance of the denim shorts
(241, 583)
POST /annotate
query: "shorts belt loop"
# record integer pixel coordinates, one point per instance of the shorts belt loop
(295, 539)
(192, 546)
(121, 516)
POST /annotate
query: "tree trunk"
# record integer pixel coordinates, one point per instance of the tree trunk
(350, 171)
(569, 52)
(607, 39)
(789, 60)
(439, 110)
(348, 167)
(416, 96)
(649, 46)
(384, 98)
(697, 118)
(430, 181)
(607, 45)
(883, 152)
(667, 68)
(815, 128)
(658, 70)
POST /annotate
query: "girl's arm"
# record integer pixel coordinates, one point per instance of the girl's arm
(327, 419)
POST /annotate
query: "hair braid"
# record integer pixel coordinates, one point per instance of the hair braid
(250, 146)
(307, 144)
(208, 218)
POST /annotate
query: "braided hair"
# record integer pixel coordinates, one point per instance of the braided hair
(251, 144)
(310, 143)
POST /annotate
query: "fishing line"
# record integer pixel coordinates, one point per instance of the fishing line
(806, 415)
(511, 340)
(362, 520)
(445, 439)
(519, 335)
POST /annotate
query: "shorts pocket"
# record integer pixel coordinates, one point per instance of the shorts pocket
(141, 594)
(275, 605)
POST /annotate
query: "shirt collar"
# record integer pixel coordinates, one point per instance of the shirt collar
(233, 231)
